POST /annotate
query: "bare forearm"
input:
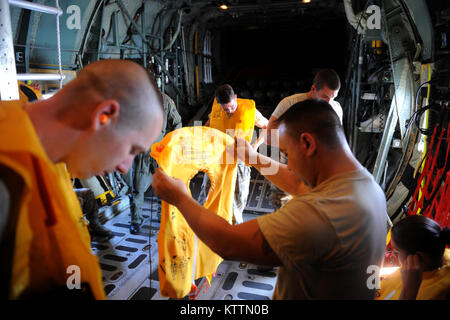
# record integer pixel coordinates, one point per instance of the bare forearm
(260, 139)
(280, 175)
(408, 294)
(242, 242)
(412, 270)
(260, 120)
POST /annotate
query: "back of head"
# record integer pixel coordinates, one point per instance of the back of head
(316, 117)
(327, 77)
(420, 234)
(125, 81)
(224, 94)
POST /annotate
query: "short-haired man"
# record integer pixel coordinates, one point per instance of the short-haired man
(326, 85)
(325, 239)
(240, 116)
(95, 124)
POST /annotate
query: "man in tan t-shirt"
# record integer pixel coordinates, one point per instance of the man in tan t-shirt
(325, 86)
(327, 240)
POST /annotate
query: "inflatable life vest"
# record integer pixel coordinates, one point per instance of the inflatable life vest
(182, 154)
(50, 236)
(27, 93)
(242, 121)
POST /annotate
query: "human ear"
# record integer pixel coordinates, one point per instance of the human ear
(308, 142)
(104, 113)
(422, 256)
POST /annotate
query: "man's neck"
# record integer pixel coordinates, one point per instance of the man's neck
(54, 136)
(342, 163)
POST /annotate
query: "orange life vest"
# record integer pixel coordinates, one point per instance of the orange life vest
(182, 154)
(27, 93)
(242, 121)
(51, 235)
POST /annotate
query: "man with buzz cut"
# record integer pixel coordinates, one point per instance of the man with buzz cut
(323, 240)
(95, 124)
(325, 86)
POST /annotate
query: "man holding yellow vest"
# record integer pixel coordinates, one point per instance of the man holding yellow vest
(95, 124)
(327, 237)
(237, 117)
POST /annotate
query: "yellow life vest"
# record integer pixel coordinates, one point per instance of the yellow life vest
(435, 284)
(27, 93)
(182, 154)
(51, 243)
(242, 121)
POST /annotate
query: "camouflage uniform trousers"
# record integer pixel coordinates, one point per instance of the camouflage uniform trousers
(278, 197)
(88, 203)
(139, 178)
(89, 206)
(241, 191)
(140, 175)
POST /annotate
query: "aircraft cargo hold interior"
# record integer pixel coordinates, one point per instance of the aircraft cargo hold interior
(225, 150)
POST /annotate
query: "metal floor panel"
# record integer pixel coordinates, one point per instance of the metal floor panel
(125, 259)
(240, 281)
(129, 265)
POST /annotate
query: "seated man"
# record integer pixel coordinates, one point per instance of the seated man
(324, 239)
(95, 124)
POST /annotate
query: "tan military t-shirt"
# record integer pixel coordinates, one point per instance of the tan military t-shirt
(327, 239)
(289, 101)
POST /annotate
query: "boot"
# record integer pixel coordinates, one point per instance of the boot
(138, 203)
(98, 230)
(135, 227)
(136, 220)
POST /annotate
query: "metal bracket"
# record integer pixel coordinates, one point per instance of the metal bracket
(8, 81)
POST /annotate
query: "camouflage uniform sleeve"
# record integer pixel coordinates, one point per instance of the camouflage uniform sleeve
(173, 118)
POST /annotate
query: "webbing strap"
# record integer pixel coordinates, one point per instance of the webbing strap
(431, 175)
(437, 183)
(417, 201)
(443, 205)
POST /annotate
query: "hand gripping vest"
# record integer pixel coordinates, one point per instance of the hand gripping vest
(182, 154)
(242, 121)
(51, 242)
